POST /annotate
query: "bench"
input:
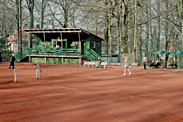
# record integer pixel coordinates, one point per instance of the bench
(95, 64)
(103, 64)
(173, 65)
(89, 63)
(134, 64)
(155, 64)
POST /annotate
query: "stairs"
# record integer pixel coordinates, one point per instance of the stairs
(91, 55)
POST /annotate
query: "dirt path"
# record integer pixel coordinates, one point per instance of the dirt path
(79, 94)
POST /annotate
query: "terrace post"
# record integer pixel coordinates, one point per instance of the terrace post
(63, 60)
(79, 46)
(29, 58)
(44, 36)
(45, 59)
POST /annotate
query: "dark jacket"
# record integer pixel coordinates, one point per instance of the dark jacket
(12, 59)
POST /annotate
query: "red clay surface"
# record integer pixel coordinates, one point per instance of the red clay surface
(70, 93)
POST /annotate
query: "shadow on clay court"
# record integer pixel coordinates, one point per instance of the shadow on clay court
(6, 82)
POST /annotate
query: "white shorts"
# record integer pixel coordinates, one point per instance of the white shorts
(126, 64)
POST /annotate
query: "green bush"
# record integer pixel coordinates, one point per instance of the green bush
(4, 51)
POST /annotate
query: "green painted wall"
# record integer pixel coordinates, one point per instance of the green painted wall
(38, 60)
(55, 60)
(71, 60)
(98, 45)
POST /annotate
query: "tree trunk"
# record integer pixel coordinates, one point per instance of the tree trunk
(166, 33)
(124, 42)
(152, 37)
(147, 34)
(140, 48)
(110, 35)
(180, 14)
(120, 32)
(159, 25)
(182, 32)
(43, 5)
(19, 24)
(96, 26)
(3, 21)
(135, 33)
(31, 11)
(106, 30)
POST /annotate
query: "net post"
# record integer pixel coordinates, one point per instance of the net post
(15, 74)
(37, 72)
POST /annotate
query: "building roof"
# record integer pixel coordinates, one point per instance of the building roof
(25, 36)
(62, 30)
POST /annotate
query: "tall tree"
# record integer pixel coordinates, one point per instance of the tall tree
(30, 4)
(135, 33)
(19, 24)
(180, 15)
(152, 39)
(63, 12)
(166, 31)
(109, 24)
(43, 5)
(120, 31)
(159, 24)
(2, 34)
(125, 13)
(147, 40)
(106, 30)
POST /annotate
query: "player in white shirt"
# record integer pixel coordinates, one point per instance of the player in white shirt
(126, 66)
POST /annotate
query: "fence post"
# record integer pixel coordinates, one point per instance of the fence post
(15, 74)
(37, 72)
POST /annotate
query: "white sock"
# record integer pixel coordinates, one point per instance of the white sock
(129, 72)
(124, 71)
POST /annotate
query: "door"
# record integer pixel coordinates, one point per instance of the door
(87, 45)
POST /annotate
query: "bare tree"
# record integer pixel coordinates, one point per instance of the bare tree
(159, 24)
(135, 33)
(43, 5)
(64, 11)
(19, 24)
(180, 15)
(8, 18)
(30, 4)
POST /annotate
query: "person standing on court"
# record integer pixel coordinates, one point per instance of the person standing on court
(12, 60)
(98, 62)
(144, 60)
(126, 66)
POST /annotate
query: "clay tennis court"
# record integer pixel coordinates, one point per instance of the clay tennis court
(72, 93)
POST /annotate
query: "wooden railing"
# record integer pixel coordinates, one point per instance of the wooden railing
(88, 53)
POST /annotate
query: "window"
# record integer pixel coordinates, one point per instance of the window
(59, 44)
(25, 35)
(54, 44)
(93, 44)
(75, 44)
(13, 36)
